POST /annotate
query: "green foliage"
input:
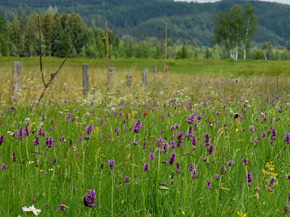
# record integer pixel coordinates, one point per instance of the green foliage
(4, 49)
(47, 30)
(59, 32)
(181, 53)
(15, 37)
(146, 18)
(234, 27)
(30, 36)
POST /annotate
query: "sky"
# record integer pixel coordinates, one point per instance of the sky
(201, 1)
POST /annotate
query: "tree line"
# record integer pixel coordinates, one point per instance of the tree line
(20, 38)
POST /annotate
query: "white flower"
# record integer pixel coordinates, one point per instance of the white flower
(31, 209)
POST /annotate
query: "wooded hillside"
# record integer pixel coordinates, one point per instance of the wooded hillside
(146, 18)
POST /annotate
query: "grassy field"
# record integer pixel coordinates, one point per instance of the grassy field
(224, 67)
(208, 139)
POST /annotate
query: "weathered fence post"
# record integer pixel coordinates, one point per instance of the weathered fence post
(86, 83)
(145, 77)
(129, 79)
(111, 77)
(155, 73)
(17, 67)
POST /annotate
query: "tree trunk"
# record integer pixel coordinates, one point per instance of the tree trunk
(237, 52)
(245, 52)
(265, 56)
(246, 39)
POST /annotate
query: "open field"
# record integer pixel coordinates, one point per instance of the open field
(225, 67)
(197, 142)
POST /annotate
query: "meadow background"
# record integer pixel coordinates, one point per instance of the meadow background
(213, 132)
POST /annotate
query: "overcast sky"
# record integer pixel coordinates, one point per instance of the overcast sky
(201, 1)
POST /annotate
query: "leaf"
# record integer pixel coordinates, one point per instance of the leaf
(161, 187)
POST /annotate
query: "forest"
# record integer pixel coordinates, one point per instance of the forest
(137, 29)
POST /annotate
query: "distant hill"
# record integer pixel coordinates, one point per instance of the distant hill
(147, 18)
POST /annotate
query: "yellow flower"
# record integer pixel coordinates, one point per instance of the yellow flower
(242, 214)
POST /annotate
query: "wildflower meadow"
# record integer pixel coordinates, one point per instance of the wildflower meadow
(186, 145)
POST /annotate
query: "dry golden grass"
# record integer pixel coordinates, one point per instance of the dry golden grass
(68, 85)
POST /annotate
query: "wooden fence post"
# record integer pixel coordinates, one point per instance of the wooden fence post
(129, 79)
(155, 73)
(145, 77)
(86, 82)
(17, 68)
(111, 77)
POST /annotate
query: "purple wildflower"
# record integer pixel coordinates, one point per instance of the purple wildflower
(190, 167)
(172, 159)
(62, 139)
(111, 163)
(146, 166)
(272, 181)
(287, 209)
(199, 117)
(41, 132)
(91, 199)
(177, 168)
(217, 176)
(210, 149)
(287, 138)
(165, 147)
(62, 207)
(191, 118)
(209, 185)
(137, 126)
(274, 132)
(50, 142)
(245, 161)
(152, 156)
(3, 167)
(256, 140)
(252, 129)
(89, 129)
(159, 141)
(190, 131)
(2, 139)
(26, 130)
(288, 176)
(230, 163)
(68, 116)
(194, 140)
(20, 133)
(194, 173)
(206, 140)
(249, 177)
(126, 179)
(176, 126)
(14, 157)
(87, 137)
(36, 141)
(179, 138)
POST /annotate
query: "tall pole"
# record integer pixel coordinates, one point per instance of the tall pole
(107, 46)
